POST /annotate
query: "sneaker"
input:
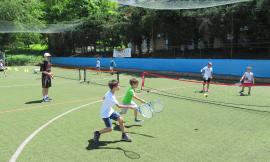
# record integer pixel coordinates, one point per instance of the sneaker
(45, 100)
(138, 121)
(126, 138)
(49, 98)
(96, 136)
(241, 91)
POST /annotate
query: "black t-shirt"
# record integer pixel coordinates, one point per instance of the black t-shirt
(45, 66)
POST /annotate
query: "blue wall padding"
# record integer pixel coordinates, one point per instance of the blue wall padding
(261, 68)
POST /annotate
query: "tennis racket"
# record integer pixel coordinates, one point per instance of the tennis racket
(157, 106)
(145, 110)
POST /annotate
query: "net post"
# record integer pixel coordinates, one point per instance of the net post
(80, 76)
(118, 78)
(84, 74)
(143, 78)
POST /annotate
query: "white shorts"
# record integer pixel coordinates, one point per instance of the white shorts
(124, 111)
(111, 68)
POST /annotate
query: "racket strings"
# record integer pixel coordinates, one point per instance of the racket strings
(157, 106)
(145, 110)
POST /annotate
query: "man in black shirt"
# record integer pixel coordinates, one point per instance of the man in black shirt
(47, 75)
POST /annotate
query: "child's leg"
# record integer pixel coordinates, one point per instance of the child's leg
(124, 134)
(43, 92)
(98, 133)
(243, 88)
(249, 90)
(108, 124)
(135, 112)
(208, 83)
(108, 128)
(46, 92)
(203, 86)
(121, 124)
(105, 130)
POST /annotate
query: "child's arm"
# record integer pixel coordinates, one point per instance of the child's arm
(47, 73)
(125, 106)
(241, 80)
(139, 99)
(202, 70)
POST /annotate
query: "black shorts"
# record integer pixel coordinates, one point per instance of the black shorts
(208, 80)
(2, 69)
(46, 82)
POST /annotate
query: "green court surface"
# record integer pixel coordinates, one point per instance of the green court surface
(192, 128)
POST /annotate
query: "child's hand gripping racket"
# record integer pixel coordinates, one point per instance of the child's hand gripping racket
(145, 110)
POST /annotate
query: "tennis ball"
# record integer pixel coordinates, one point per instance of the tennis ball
(205, 95)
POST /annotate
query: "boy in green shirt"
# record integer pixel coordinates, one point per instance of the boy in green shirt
(130, 94)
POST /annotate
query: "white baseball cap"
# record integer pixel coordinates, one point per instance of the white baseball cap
(210, 63)
(47, 54)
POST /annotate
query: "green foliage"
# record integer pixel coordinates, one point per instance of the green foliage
(107, 25)
(30, 11)
(38, 47)
(23, 60)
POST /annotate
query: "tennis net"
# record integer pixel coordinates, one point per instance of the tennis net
(221, 94)
(100, 77)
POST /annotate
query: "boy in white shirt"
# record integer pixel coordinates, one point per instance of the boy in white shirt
(98, 66)
(207, 73)
(2, 67)
(107, 112)
(247, 80)
(112, 65)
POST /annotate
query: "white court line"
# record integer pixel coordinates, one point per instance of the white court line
(29, 85)
(17, 85)
(29, 138)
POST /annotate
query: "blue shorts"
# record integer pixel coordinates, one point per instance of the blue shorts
(108, 122)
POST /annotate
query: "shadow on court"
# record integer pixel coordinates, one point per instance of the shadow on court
(100, 145)
(117, 128)
(34, 102)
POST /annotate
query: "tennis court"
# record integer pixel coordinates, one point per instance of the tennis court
(221, 127)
